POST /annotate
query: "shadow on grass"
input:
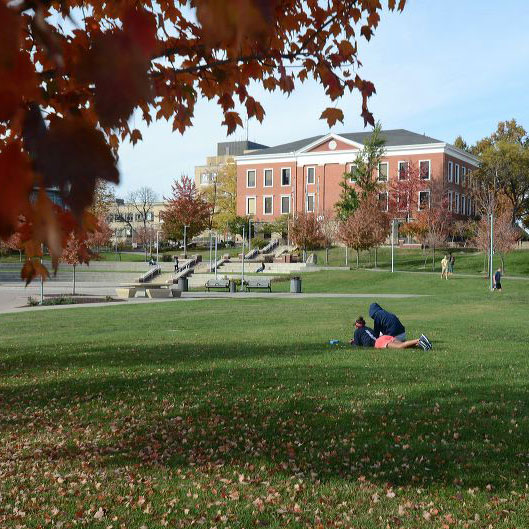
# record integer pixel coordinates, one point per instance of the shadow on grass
(399, 427)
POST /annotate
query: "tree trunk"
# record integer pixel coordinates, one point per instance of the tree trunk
(346, 257)
(502, 263)
(357, 259)
(20, 255)
(485, 260)
(73, 290)
(425, 257)
(376, 257)
(433, 260)
(327, 255)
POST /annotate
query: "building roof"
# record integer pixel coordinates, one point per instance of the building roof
(237, 148)
(393, 138)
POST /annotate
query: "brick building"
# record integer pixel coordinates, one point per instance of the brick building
(304, 175)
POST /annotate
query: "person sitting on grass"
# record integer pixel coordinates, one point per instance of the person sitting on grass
(364, 337)
(386, 323)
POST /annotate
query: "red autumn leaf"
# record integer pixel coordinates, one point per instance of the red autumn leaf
(18, 83)
(135, 136)
(33, 268)
(140, 26)
(118, 69)
(16, 183)
(332, 115)
(232, 120)
(9, 36)
(254, 108)
(73, 156)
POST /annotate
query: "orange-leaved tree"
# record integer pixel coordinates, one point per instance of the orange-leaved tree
(306, 232)
(366, 228)
(185, 208)
(73, 73)
(76, 252)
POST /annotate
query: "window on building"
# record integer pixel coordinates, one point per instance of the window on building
(204, 178)
(463, 175)
(138, 217)
(450, 198)
(424, 200)
(250, 178)
(403, 170)
(383, 201)
(456, 202)
(268, 205)
(450, 171)
(285, 204)
(150, 216)
(456, 173)
(310, 203)
(311, 175)
(129, 217)
(424, 169)
(469, 206)
(268, 178)
(351, 171)
(463, 205)
(250, 205)
(285, 176)
(383, 171)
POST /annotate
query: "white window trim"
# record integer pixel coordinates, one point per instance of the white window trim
(248, 171)
(281, 176)
(349, 169)
(450, 198)
(456, 173)
(247, 209)
(387, 172)
(457, 203)
(264, 178)
(429, 199)
(307, 174)
(398, 168)
(463, 205)
(289, 204)
(450, 171)
(264, 208)
(463, 175)
(313, 195)
(429, 169)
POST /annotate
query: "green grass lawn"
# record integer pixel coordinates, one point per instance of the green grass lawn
(468, 261)
(237, 413)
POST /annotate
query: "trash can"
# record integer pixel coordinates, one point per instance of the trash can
(295, 285)
(183, 284)
(233, 286)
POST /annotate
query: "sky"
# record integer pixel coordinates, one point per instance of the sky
(442, 68)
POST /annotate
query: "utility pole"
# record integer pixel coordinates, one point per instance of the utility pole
(185, 240)
(491, 256)
(242, 275)
(216, 261)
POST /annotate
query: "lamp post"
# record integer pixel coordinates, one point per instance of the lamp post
(185, 240)
(157, 246)
(491, 256)
(249, 234)
(216, 238)
(242, 275)
(392, 245)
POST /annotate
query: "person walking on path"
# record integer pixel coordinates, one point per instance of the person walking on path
(386, 323)
(451, 264)
(175, 263)
(444, 267)
(497, 280)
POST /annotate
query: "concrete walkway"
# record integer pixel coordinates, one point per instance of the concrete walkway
(13, 299)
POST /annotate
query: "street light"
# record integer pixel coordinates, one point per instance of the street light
(249, 234)
(185, 240)
(157, 246)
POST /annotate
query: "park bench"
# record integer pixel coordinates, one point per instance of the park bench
(258, 283)
(217, 284)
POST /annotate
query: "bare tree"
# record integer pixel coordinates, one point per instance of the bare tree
(329, 228)
(142, 202)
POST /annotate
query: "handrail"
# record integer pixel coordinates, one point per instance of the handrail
(152, 272)
(270, 246)
(252, 253)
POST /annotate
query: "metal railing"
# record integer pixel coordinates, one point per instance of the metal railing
(272, 245)
(150, 274)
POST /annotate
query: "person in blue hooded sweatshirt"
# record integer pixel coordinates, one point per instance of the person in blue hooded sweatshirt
(386, 323)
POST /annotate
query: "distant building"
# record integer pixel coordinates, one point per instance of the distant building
(304, 175)
(126, 222)
(206, 174)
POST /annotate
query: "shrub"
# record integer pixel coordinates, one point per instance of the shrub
(167, 258)
(259, 242)
(32, 302)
